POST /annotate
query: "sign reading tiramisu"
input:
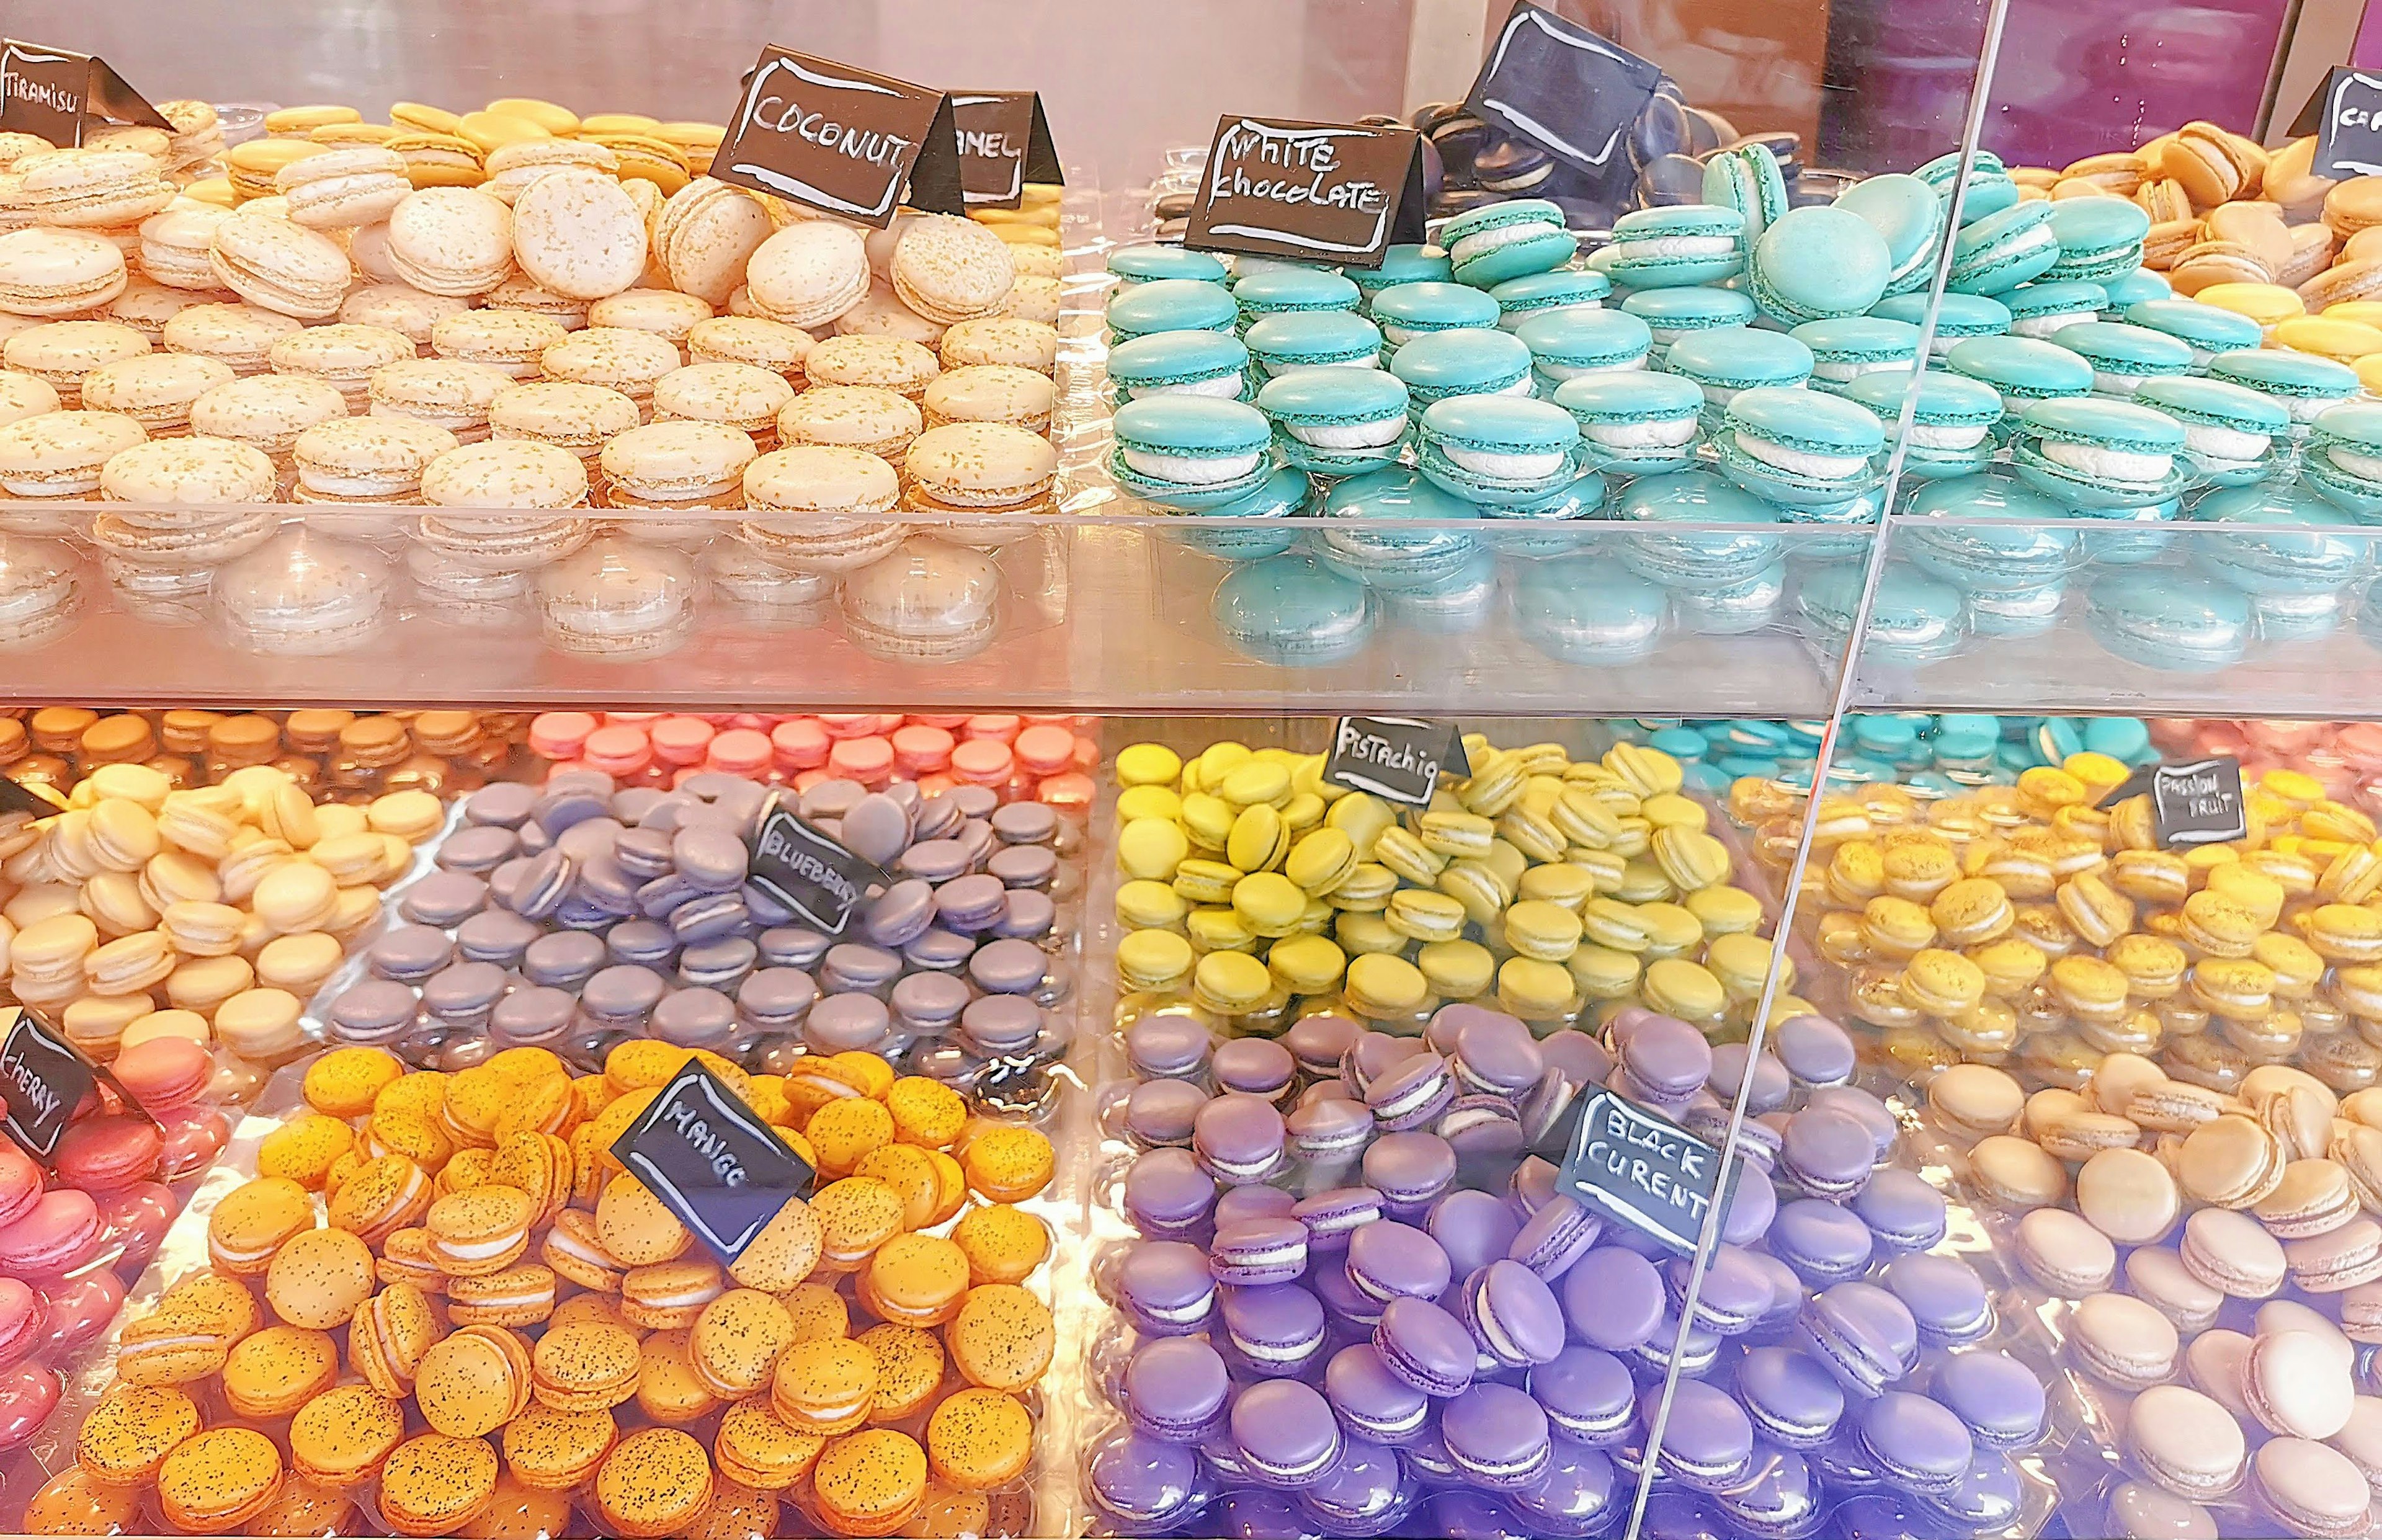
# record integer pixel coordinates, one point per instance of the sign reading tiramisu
(1332, 192)
(59, 93)
(1004, 143)
(843, 141)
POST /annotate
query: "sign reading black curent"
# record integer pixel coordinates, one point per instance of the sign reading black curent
(1643, 1171)
(2346, 118)
(1332, 193)
(713, 1162)
(808, 872)
(2198, 804)
(1004, 143)
(1397, 759)
(42, 1078)
(845, 142)
(1567, 91)
(59, 93)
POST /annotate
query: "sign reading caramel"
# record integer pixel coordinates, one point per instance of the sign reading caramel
(1004, 143)
(57, 94)
(843, 141)
(1331, 193)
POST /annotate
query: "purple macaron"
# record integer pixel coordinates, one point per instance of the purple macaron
(1276, 1330)
(1177, 1390)
(1239, 1139)
(1559, 1234)
(1411, 1093)
(1390, 1261)
(1496, 1434)
(1919, 1444)
(1793, 1401)
(1258, 1250)
(1426, 1347)
(1370, 1402)
(1613, 1298)
(1336, 1214)
(1473, 1228)
(1588, 1395)
(1169, 1196)
(1284, 1433)
(1512, 1315)
(1707, 1440)
(1166, 1288)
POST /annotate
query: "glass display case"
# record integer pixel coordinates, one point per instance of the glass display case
(1695, 858)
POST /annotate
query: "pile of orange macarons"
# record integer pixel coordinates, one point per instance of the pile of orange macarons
(442, 1299)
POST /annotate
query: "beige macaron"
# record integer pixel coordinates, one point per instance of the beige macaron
(279, 266)
(46, 272)
(979, 467)
(175, 242)
(809, 274)
(677, 464)
(742, 395)
(240, 336)
(1001, 339)
(522, 292)
(96, 189)
(569, 415)
(511, 342)
(146, 307)
(367, 460)
(770, 345)
(452, 394)
(990, 393)
(451, 240)
(512, 167)
(401, 308)
(884, 363)
(505, 473)
(60, 454)
(342, 355)
(852, 417)
(21, 395)
(950, 269)
(835, 489)
(266, 410)
(659, 312)
(62, 352)
(154, 389)
(358, 184)
(617, 357)
(576, 233)
(882, 314)
(708, 231)
(1035, 299)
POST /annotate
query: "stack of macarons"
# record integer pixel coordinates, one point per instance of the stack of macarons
(1252, 889)
(502, 1321)
(576, 914)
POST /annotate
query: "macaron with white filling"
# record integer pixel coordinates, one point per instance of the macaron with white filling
(2301, 384)
(2229, 432)
(1499, 449)
(1519, 299)
(1951, 424)
(1643, 422)
(1675, 247)
(1190, 451)
(1470, 363)
(2123, 356)
(1730, 358)
(2207, 329)
(1799, 446)
(1573, 345)
(1181, 364)
(1336, 422)
(1406, 312)
(2044, 308)
(2344, 457)
(2093, 453)
(1504, 240)
(1845, 348)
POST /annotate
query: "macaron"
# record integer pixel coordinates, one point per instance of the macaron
(2099, 454)
(1185, 451)
(1641, 420)
(1336, 422)
(1817, 263)
(1181, 364)
(1798, 446)
(1676, 247)
(1498, 448)
(1487, 246)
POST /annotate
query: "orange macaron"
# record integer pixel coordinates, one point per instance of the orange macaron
(473, 1381)
(584, 1367)
(341, 1437)
(654, 1483)
(979, 1440)
(870, 1484)
(1002, 1337)
(828, 1385)
(252, 1221)
(319, 1278)
(216, 1482)
(479, 1230)
(550, 1450)
(735, 1342)
(131, 1431)
(757, 1447)
(388, 1337)
(435, 1483)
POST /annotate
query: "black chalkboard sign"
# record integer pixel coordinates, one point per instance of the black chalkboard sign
(2346, 118)
(2198, 804)
(1004, 143)
(808, 872)
(1642, 1170)
(36, 800)
(1330, 192)
(59, 93)
(846, 142)
(42, 1079)
(713, 1162)
(1398, 759)
(1567, 91)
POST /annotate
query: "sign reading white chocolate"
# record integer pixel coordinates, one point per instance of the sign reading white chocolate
(1335, 192)
(713, 1162)
(1004, 143)
(843, 141)
(1566, 89)
(1642, 1170)
(1397, 759)
(59, 93)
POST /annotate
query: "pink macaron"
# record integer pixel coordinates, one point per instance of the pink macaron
(22, 1317)
(194, 1135)
(983, 762)
(21, 1184)
(54, 1238)
(165, 1072)
(681, 739)
(559, 734)
(101, 1154)
(75, 1310)
(135, 1219)
(616, 749)
(739, 751)
(29, 1393)
(798, 743)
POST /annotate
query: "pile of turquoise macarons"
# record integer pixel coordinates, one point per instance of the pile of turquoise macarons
(1739, 361)
(1933, 754)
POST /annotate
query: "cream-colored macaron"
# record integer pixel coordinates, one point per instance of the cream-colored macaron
(454, 394)
(855, 417)
(401, 308)
(740, 394)
(367, 460)
(279, 266)
(511, 342)
(765, 344)
(60, 454)
(576, 233)
(990, 393)
(506, 473)
(707, 234)
(46, 272)
(240, 336)
(357, 184)
(451, 240)
(62, 352)
(1001, 339)
(266, 410)
(343, 354)
(154, 389)
(661, 313)
(580, 418)
(809, 274)
(623, 358)
(677, 464)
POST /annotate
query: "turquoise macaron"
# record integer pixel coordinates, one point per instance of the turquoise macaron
(2047, 306)
(1184, 363)
(1951, 422)
(1469, 362)
(1730, 358)
(1909, 216)
(1190, 451)
(2124, 356)
(1747, 178)
(2303, 385)
(2020, 370)
(1818, 262)
(1699, 556)
(1380, 529)
(1537, 294)
(2169, 621)
(2208, 330)
(1843, 350)
(1403, 263)
(2294, 553)
(2099, 237)
(2004, 545)
(1671, 313)
(1408, 311)
(1281, 498)
(2344, 458)
(1571, 345)
(1293, 291)
(2229, 432)
(1799, 447)
(1676, 246)
(1142, 264)
(1498, 449)
(1643, 422)
(1912, 617)
(1171, 305)
(1490, 244)
(1292, 611)
(1958, 319)
(2002, 250)
(1990, 190)
(2094, 453)
(1308, 338)
(2132, 288)
(1579, 609)
(1336, 422)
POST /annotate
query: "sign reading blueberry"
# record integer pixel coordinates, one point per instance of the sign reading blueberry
(846, 142)
(1333, 193)
(1642, 1170)
(713, 1162)
(1397, 759)
(1004, 143)
(802, 869)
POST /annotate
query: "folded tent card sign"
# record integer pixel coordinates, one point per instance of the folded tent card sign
(1004, 143)
(840, 139)
(59, 94)
(2346, 118)
(1572, 93)
(1330, 192)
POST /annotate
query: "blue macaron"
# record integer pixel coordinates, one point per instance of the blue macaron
(1671, 313)
(1959, 317)
(1708, 551)
(2169, 621)
(2099, 237)
(2301, 384)
(2002, 250)
(1989, 189)
(1141, 264)
(1912, 618)
(1292, 611)
(1389, 529)
(1843, 350)
(1678, 246)
(1184, 364)
(1999, 542)
(1281, 498)
(2123, 356)
(1293, 291)
(1520, 300)
(1307, 339)
(2132, 288)
(1640, 421)
(2048, 306)
(2020, 370)
(1730, 358)
(1336, 422)
(2208, 330)
(2295, 554)
(1799, 447)
(1909, 216)
(1408, 311)
(1488, 245)
(1746, 177)
(1499, 449)
(1190, 451)
(2229, 432)
(1817, 263)
(2100, 453)
(1171, 305)
(1579, 609)
(1402, 263)
(2344, 458)
(1573, 344)
(1468, 362)
(1951, 422)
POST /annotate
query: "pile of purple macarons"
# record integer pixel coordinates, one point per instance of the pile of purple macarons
(578, 915)
(1361, 1302)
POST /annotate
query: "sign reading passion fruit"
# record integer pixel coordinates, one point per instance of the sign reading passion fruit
(843, 141)
(1332, 193)
(59, 93)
